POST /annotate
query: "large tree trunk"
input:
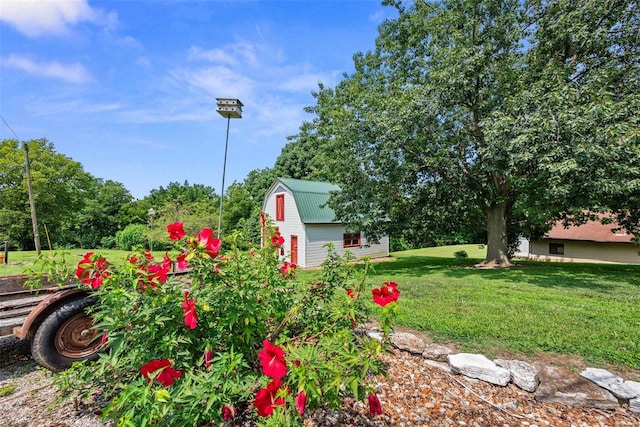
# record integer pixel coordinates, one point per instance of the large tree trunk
(497, 238)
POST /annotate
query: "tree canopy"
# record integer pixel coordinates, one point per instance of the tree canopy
(60, 187)
(502, 113)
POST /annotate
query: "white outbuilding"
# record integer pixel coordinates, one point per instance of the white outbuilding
(300, 212)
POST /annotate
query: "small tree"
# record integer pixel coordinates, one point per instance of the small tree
(133, 235)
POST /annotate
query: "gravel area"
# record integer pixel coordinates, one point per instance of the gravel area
(415, 394)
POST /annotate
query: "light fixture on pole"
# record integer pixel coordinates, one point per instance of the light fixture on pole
(229, 108)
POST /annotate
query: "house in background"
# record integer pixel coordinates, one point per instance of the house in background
(300, 212)
(592, 241)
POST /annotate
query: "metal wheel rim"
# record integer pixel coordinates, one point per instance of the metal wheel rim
(76, 338)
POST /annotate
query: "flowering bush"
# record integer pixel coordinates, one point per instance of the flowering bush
(238, 336)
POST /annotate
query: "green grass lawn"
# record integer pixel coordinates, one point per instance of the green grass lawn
(21, 261)
(585, 311)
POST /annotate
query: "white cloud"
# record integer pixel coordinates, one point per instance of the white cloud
(101, 108)
(143, 61)
(232, 54)
(307, 82)
(219, 81)
(278, 116)
(39, 17)
(218, 56)
(72, 73)
(130, 42)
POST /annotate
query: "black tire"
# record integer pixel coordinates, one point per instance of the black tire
(66, 336)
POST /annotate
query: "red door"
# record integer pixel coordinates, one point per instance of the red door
(294, 249)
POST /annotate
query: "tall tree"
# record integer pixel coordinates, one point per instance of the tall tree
(501, 107)
(102, 216)
(299, 157)
(59, 185)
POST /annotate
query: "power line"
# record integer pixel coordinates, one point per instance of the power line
(7, 124)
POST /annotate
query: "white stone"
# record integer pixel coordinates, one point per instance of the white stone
(478, 366)
(436, 352)
(559, 385)
(633, 387)
(440, 365)
(634, 405)
(376, 335)
(523, 374)
(611, 382)
(408, 342)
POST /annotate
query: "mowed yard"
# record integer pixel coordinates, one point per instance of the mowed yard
(587, 312)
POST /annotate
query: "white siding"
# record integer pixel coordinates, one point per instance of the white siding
(523, 248)
(317, 235)
(586, 251)
(292, 225)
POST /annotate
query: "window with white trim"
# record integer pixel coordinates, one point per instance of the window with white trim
(279, 207)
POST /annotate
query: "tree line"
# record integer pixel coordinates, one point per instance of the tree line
(77, 210)
(470, 121)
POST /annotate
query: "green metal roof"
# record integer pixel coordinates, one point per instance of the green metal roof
(311, 199)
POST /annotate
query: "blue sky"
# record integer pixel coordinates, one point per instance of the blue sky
(128, 88)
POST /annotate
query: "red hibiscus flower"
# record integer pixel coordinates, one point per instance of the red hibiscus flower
(182, 260)
(228, 412)
(374, 405)
(301, 402)
(167, 374)
(211, 244)
(152, 275)
(263, 219)
(92, 270)
(157, 273)
(190, 315)
(176, 231)
(83, 271)
(287, 270)
(266, 399)
(272, 360)
(208, 357)
(277, 239)
(388, 293)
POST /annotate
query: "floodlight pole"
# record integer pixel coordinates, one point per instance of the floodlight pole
(229, 108)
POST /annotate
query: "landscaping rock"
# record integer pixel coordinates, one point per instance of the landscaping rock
(523, 374)
(408, 342)
(611, 382)
(478, 366)
(559, 385)
(634, 404)
(436, 352)
(440, 365)
(375, 334)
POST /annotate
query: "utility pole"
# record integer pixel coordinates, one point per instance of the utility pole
(34, 221)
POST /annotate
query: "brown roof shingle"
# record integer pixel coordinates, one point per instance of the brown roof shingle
(592, 231)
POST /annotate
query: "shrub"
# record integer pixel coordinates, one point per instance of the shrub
(461, 254)
(240, 338)
(132, 235)
(108, 242)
